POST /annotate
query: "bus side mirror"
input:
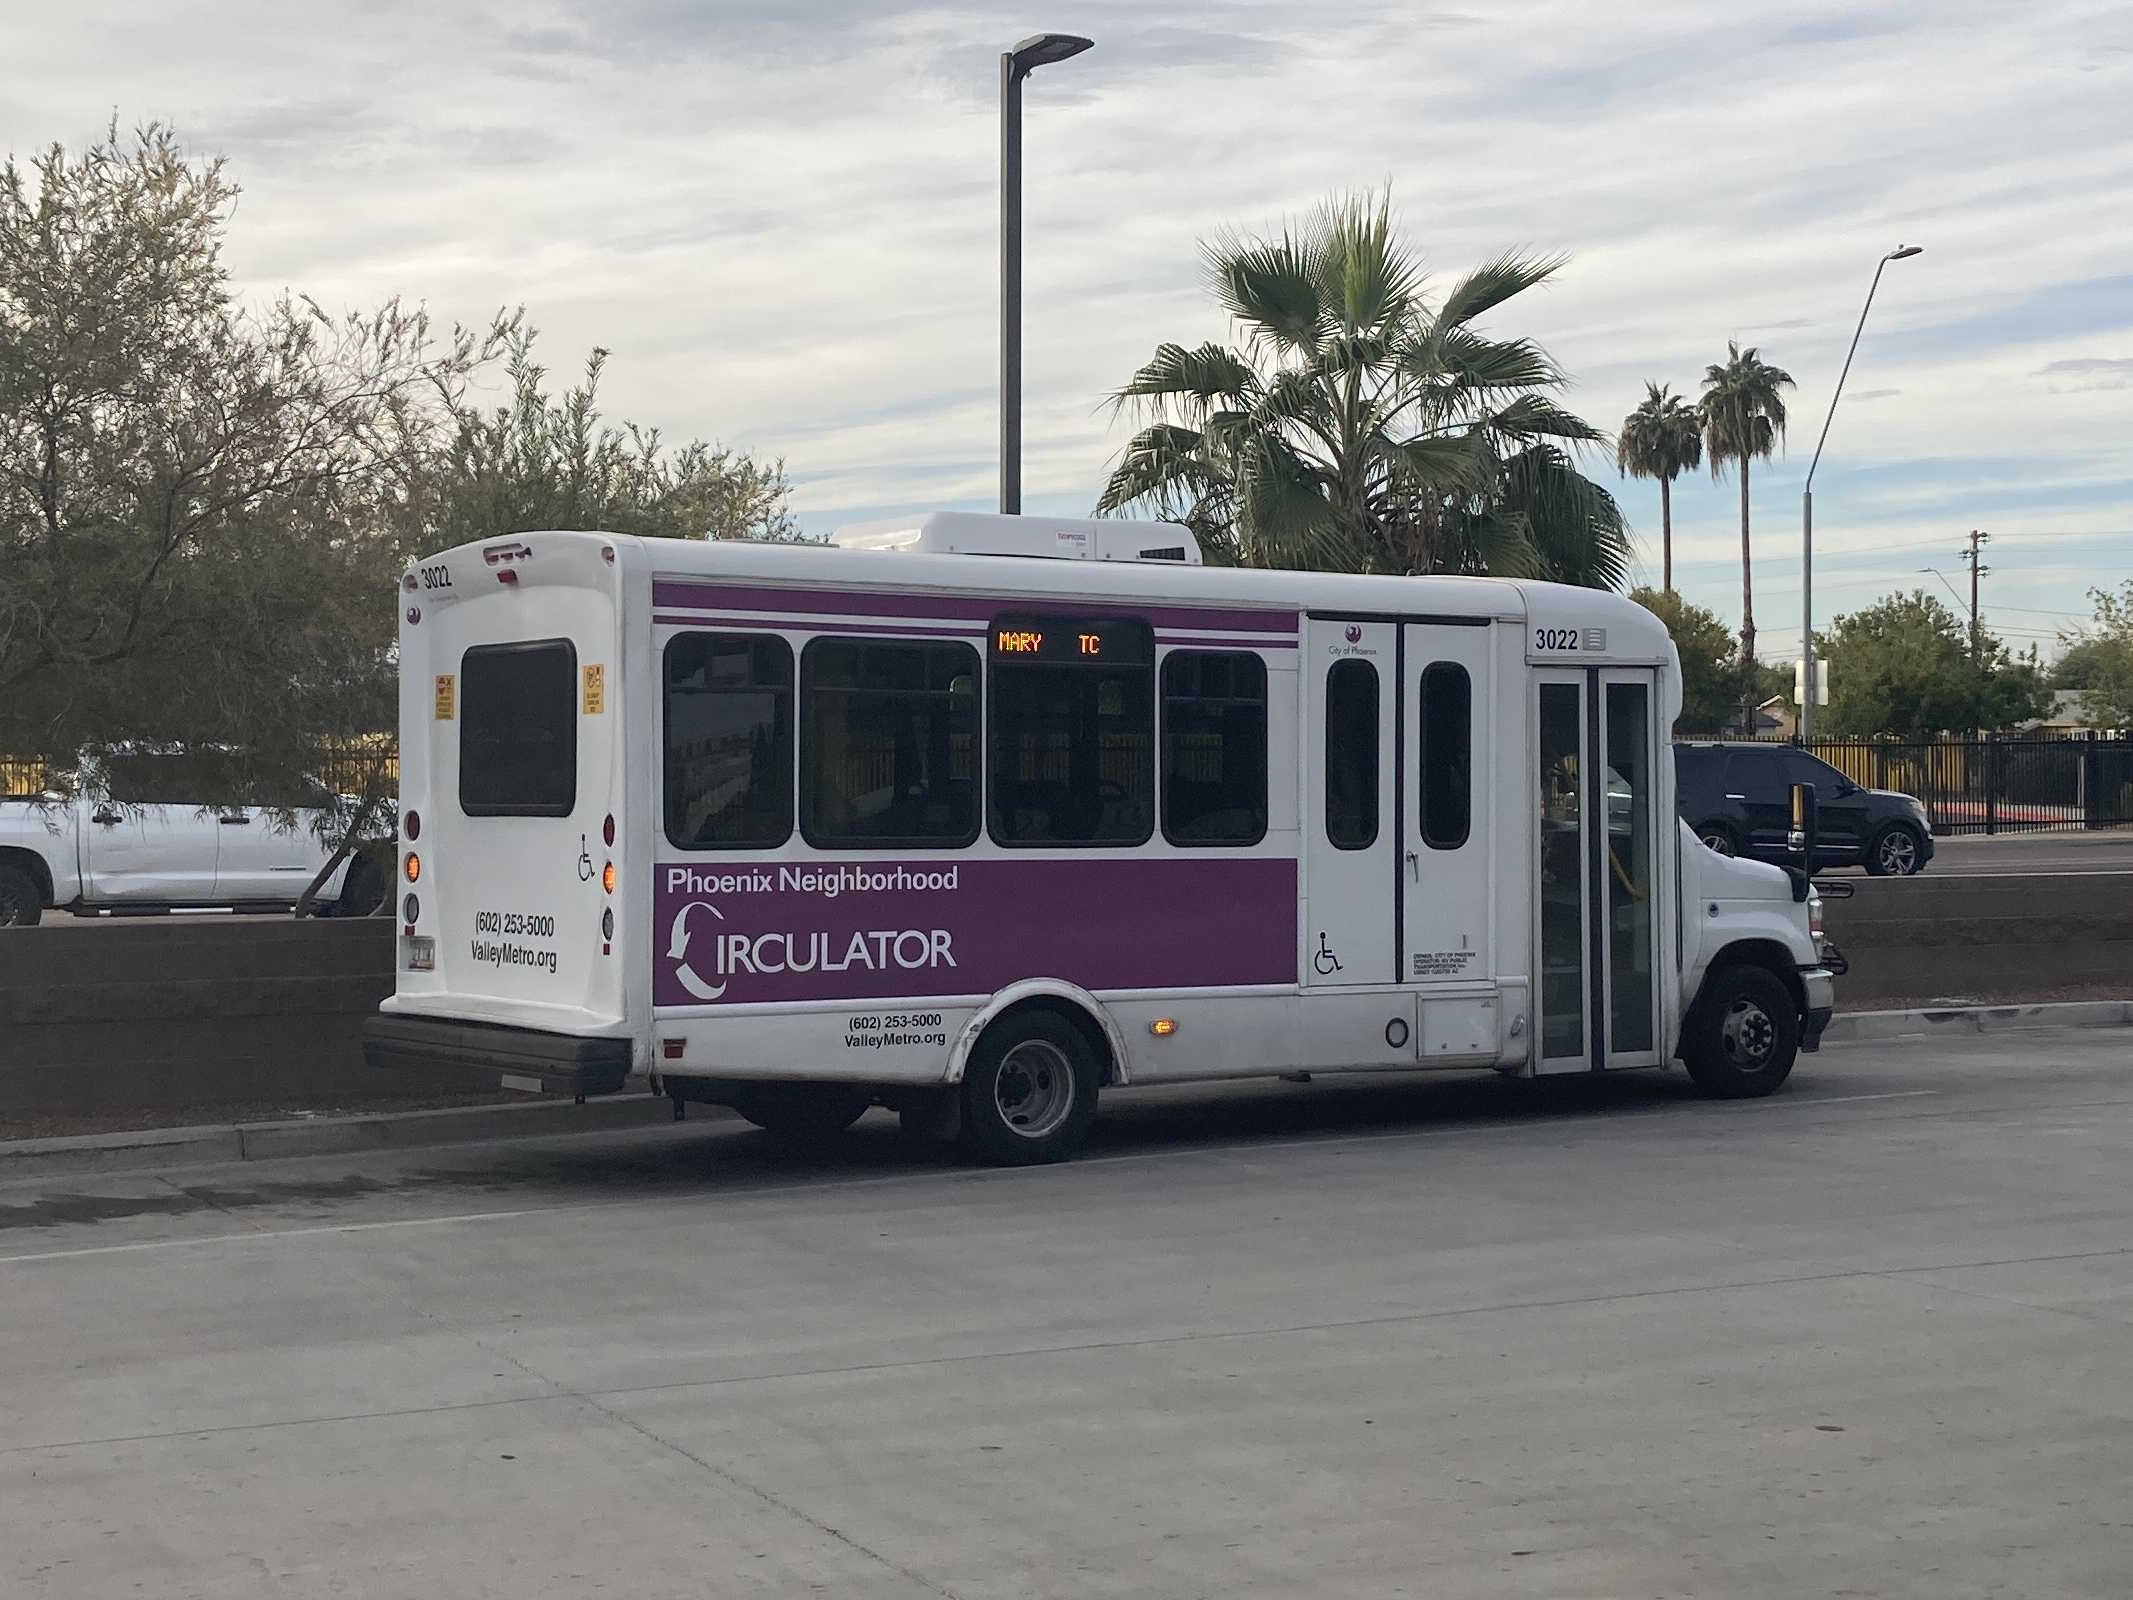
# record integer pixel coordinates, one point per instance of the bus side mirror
(1800, 840)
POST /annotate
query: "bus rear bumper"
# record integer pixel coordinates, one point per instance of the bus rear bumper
(519, 1058)
(1820, 985)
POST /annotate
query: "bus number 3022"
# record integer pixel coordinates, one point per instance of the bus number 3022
(1555, 638)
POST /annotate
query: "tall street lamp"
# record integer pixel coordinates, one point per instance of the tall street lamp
(1039, 50)
(1902, 252)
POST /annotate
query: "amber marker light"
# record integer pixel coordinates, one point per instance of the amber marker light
(1163, 1027)
(607, 877)
(414, 867)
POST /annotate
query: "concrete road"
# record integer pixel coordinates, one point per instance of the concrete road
(1450, 1338)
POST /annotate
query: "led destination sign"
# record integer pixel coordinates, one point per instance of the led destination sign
(1110, 640)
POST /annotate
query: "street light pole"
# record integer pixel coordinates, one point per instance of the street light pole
(1040, 50)
(1807, 504)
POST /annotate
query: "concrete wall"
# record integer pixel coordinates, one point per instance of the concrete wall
(2055, 935)
(167, 1012)
(161, 1012)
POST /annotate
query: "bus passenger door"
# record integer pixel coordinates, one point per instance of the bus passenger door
(1628, 950)
(1562, 875)
(1447, 948)
(1597, 871)
(1353, 827)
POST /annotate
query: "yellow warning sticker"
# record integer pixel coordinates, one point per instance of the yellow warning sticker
(595, 689)
(447, 694)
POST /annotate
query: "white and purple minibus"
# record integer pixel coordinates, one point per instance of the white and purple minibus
(976, 817)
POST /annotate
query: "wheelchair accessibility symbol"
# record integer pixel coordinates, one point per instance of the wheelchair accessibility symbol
(1325, 963)
(585, 861)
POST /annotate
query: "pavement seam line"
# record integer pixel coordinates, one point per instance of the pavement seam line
(1152, 1341)
(1916, 1276)
(562, 1391)
(735, 1481)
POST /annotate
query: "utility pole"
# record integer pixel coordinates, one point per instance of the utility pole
(1970, 558)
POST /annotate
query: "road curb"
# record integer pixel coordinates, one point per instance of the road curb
(149, 1149)
(152, 1148)
(1859, 1027)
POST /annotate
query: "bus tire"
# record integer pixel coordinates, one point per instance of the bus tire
(1743, 1033)
(1029, 1090)
(803, 1113)
(21, 905)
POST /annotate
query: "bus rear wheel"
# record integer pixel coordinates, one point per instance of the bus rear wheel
(1743, 1034)
(1029, 1091)
(803, 1113)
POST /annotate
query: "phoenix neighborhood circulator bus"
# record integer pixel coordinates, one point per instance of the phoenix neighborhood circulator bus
(975, 817)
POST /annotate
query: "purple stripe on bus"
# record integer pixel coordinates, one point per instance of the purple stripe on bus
(672, 592)
(728, 932)
(697, 619)
(958, 630)
(1225, 641)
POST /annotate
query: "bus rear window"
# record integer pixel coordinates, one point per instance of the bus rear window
(518, 730)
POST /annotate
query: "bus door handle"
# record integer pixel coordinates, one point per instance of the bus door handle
(1414, 866)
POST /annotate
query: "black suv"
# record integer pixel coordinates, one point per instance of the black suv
(1738, 798)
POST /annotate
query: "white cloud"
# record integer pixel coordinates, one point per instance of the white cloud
(781, 217)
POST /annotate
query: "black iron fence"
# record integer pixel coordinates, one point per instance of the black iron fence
(2000, 785)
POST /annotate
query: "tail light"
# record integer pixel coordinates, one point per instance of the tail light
(410, 909)
(413, 825)
(607, 877)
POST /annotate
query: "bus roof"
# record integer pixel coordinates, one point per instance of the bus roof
(1631, 632)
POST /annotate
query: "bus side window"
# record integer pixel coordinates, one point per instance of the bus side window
(1352, 754)
(886, 735)
(1070, 742)
(726, 720)
(1214, 747)
(1447, 755)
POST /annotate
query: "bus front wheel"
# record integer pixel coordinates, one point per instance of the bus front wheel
(1743, 1033)
(1029, 1091)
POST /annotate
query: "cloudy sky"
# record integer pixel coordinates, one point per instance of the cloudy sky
(781, 218)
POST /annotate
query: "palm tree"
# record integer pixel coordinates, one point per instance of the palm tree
(1662, 438)
(1743, 420)
(1357, 427)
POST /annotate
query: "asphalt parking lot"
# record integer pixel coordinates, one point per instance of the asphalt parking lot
(1447, 1338)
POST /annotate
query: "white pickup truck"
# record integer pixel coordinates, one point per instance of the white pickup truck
(138, 834)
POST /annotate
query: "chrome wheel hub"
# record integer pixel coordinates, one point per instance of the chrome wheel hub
(1034, 1089)
(1749, 1034)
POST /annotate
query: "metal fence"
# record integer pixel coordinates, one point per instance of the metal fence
(342, 766)
(2009, 785)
